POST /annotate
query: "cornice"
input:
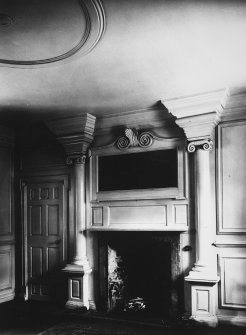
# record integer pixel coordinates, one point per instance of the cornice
(74, 133)
(235, 106)
(198, 114)
(148, 118)
(6, 137)
(95, 26)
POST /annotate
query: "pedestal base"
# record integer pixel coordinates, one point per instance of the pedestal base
(204, 300)
(77, 286)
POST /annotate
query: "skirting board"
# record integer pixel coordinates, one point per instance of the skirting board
(232, 320)
(7, 296)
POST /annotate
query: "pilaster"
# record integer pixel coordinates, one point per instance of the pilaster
(76, 134)
(198, 116)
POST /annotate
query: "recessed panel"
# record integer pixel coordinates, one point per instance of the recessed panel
(138, 215)
(97, 216)
(55, 192)
(35, 289)
(5, 269)
(233, 281)
(53, 219)
(33, 194)
(232, 178)
(145, 170)
(52, 258)
(44, 193)
(76, 289)
(202, 299)
(35, 220)
(36, 261)
(180, 214)
(5, 192)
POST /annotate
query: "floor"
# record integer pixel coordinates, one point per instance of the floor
(45, 319)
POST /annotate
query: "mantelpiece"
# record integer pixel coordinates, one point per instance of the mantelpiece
(161, 208)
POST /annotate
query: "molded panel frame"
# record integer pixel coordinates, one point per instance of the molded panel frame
(179, 192)
(219, 180)
(232, 254)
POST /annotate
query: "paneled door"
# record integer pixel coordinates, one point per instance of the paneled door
(45, 239)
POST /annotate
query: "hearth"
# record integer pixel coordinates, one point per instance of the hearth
(140, 273)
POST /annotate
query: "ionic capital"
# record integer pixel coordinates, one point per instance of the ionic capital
(75, 159)
(206, 145)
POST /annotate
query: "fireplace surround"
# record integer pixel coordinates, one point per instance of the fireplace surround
(140, 273)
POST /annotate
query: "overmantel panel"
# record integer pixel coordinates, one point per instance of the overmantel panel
(179, 192)
(139, 209)
(148, 215)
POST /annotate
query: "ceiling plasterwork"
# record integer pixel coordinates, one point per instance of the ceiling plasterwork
(49, 31)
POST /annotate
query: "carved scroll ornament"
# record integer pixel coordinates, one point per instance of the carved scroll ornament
(133, 139)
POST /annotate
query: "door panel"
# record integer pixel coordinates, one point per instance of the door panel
(45, 239)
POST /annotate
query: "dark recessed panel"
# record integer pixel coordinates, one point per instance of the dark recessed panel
(153, 169)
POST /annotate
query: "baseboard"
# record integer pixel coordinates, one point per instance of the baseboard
(4, 297)
(232, 320)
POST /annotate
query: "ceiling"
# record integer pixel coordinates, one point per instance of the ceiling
(67, 57)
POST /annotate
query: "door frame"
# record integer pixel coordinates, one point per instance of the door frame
(24, 181)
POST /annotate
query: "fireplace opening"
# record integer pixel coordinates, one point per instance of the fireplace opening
(141, 271)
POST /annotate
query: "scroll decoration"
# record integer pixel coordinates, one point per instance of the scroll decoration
(133, 139)
(204, 144)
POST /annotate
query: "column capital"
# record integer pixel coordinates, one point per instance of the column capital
(75, 134)
(198, 114)
(75, 159)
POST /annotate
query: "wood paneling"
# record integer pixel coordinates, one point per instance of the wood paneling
(232, 178)
(7, 259)
(138, 215)
(7, 283)
(141, 215)
(5, 193)
(232, 263)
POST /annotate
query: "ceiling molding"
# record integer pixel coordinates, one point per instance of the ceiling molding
(95, 27)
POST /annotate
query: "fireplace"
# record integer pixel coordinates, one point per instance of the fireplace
(140, 273)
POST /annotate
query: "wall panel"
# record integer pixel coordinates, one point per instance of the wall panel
(232, 178)
(232, 262)
(7, 243)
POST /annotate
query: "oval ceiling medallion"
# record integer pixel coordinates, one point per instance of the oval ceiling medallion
(48, 31)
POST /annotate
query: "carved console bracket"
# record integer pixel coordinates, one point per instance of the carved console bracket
(133, 139)
(75, 134)
(198, 115)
